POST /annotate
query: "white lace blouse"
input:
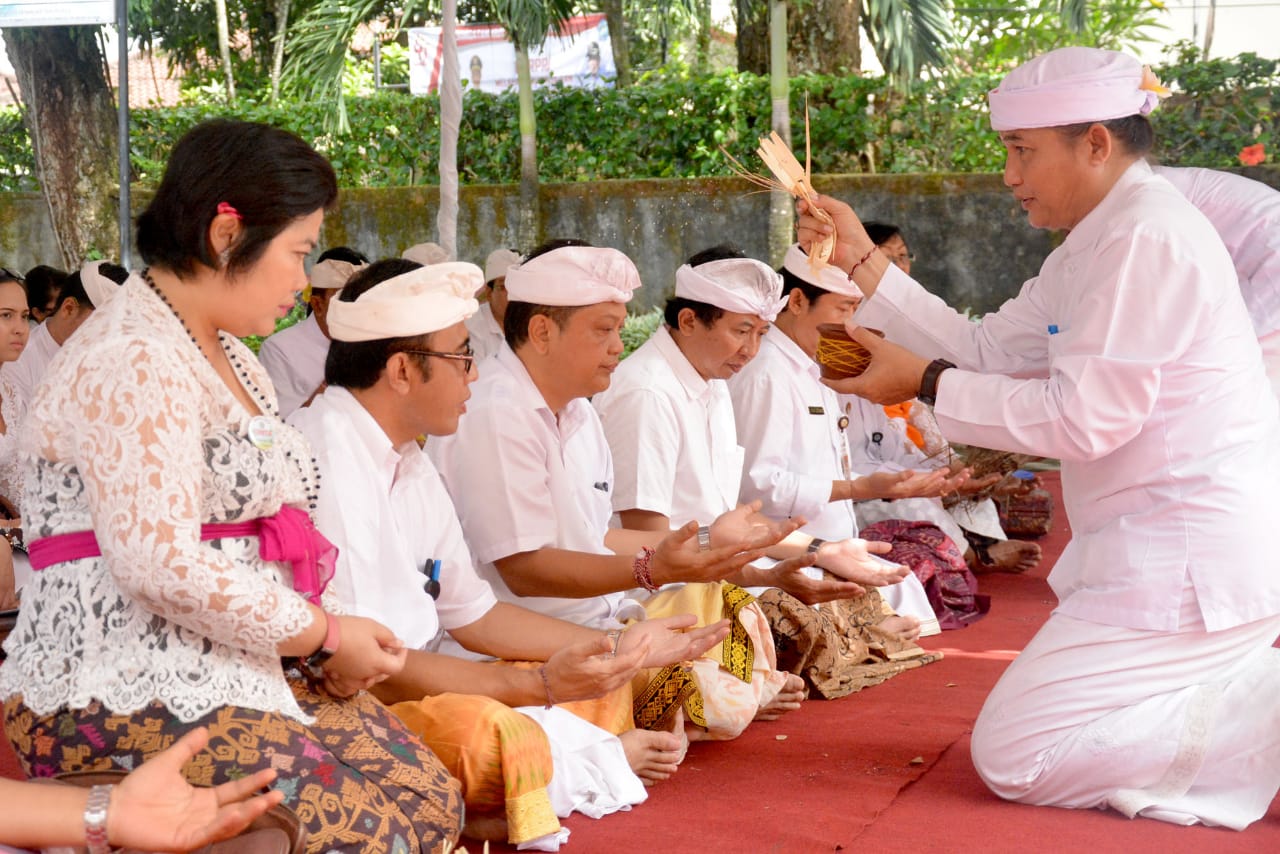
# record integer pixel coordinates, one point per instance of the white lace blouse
(12, 411)
(134, 436)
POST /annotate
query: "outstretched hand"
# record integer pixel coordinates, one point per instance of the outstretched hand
(590, 669)
(894, 374)
(910, 484)
(789, 577)
(155, 809)
(852, 559)
(673, 639)
(679, 558)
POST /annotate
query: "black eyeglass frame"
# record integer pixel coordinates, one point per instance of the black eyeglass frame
(468, 358)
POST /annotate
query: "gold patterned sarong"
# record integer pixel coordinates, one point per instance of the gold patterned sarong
(502, 758)
(723, 689)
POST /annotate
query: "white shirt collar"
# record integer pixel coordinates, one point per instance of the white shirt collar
(791, 350)
(685, 373)
(391, 461)
(569, 420)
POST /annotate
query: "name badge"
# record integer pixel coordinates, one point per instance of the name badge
(262, 432)
(817, 410)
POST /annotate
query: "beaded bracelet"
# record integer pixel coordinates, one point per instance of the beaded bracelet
(546, 686)
(640, 569)
(862, 260)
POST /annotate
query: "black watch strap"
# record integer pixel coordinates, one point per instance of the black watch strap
(929, 382)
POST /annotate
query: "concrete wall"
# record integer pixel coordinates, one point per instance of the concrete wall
(972, 243)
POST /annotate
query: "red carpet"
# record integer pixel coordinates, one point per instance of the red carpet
(886, 770)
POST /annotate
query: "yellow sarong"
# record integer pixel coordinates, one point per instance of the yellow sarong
(502, 757)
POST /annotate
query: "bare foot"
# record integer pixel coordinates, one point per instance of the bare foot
(655, 756)
(1012, 556)
(486, 827)
(788, 700)
(907, 628)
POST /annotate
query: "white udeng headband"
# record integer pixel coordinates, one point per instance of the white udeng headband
(426, 254)
(741, 285)
(1073, 85)
(332, 274)
(574, 276)
(97, 287)
(423, 300)
(831, 278)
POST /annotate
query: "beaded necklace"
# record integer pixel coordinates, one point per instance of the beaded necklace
(310, 474)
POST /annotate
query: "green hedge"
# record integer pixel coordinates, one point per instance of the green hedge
(672, 126)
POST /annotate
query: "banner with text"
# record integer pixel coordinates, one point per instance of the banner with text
(581, 55)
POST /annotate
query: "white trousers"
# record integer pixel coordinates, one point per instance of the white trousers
(1182, 727)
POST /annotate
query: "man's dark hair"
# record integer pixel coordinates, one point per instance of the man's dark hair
(343, 253)
(1134, 133)
(790, 282)
(270, 176)
(882, 232)
(705, 313)
(358, 364)
(44, 284)
(515, 323)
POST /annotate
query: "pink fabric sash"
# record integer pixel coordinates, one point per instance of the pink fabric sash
(286, 536)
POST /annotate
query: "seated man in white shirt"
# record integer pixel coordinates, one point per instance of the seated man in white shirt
(81, 292)
(797, 453)
(294, 356)
(486, 324)
(671, 430)
(531, 475)
(399, 367)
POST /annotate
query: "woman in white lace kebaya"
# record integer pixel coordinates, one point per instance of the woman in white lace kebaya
(166, 515)
(14, 330)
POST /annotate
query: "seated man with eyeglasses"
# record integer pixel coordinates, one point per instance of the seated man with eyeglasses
(398, 368)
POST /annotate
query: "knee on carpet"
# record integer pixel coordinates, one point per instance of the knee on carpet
(1002, 761)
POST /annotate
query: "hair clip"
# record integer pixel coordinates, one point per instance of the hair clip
(226, 208)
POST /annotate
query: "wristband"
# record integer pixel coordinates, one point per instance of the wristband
(95, 820)
(815, 544)
(546, 686)
(640, 569)
(862, 261)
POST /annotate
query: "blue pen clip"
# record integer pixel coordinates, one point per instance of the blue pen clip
(1053, 329)
(432, 584)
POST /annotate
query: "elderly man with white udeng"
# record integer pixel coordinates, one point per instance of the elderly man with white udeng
(1153, 688)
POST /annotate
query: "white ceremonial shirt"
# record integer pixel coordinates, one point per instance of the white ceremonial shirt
(294, 359)
(789, 424)
(672, 436)
(1246, 215)
(387, 511)
(486, 334)
(523, 479)
(1140, 371)
(23, 375)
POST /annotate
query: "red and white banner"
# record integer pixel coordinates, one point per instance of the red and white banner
(581, 55)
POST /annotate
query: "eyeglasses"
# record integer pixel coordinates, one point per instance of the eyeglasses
(8, 275)
(468, 357)
(905, 258)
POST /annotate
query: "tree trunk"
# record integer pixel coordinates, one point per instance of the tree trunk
(822, 38)
(70, 115)
(224, 48)
(704, 36)
(617, 19)
(277, 50)
(1208, 30)
(752, 40)
(781, 205)
(529, 218)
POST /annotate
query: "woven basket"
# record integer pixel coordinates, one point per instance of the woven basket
(839, 356)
